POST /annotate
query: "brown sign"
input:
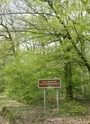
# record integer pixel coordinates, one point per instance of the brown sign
(53, 83)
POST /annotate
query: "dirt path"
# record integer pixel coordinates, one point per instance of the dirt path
(2, 120)
(67, 121)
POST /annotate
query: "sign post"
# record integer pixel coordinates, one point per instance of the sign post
(51, 83)
(57, 98)
(44, 100)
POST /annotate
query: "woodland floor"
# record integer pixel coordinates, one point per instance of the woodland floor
(12, 112)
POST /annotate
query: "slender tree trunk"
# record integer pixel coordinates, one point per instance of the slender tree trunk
(68, 79)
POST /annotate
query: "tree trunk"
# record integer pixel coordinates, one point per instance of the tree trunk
(68, 80)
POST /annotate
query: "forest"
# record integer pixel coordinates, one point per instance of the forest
(44, 39)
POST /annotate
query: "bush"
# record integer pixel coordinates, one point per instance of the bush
(72, 108)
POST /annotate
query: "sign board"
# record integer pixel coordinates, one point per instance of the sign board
(51, 83)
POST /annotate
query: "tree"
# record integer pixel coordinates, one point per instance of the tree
(63, 21)
(56, 28)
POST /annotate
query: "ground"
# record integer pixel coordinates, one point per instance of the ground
(12, 112)
(3, 121)
(67, 121)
